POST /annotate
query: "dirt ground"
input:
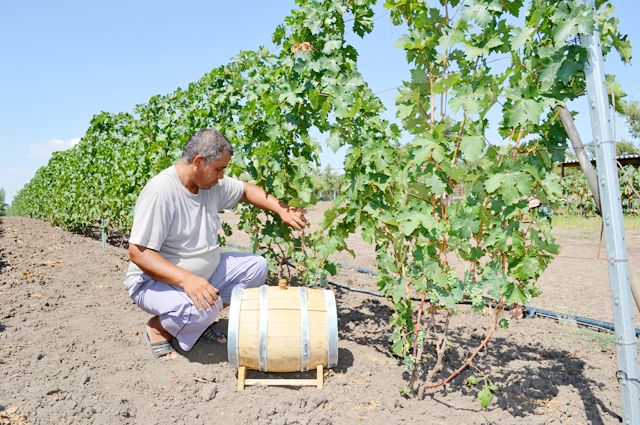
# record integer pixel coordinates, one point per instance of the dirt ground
(71, 349)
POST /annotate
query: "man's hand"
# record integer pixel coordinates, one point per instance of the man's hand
(533, 202)
(201, 293)
(294, 217)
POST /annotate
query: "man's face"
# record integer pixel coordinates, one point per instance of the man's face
(208, 174)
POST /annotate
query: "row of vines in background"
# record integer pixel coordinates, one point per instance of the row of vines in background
(576, 197)
(468, 61)
(265, 102)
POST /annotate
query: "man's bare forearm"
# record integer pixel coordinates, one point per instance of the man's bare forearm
(156, 266)
(255, 195)
(201, 293)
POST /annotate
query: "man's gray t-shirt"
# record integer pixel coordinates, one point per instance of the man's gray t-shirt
(181, 226)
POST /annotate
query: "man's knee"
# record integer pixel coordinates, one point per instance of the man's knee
(258, 272)
(205, 316)
(263, 265)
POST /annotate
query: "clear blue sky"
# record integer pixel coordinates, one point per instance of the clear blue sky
(61, 62)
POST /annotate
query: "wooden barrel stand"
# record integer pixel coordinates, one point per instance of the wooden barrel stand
(243, 380)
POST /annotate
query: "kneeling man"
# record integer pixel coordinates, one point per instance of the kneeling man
(177, 272)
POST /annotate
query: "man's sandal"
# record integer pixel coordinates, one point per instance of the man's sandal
(214, 335)
(158, 349)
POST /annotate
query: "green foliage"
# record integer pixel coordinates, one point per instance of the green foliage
(486, 394)
(451, 192)
(577, 198)
(626, 148)
(616, 94)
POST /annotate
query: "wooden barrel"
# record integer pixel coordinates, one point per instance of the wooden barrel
(290, 329)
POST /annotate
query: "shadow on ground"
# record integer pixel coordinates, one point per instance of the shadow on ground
(207, 352)
(366, 323)
(529, 376)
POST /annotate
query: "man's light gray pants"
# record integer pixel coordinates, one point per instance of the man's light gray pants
(177, 313)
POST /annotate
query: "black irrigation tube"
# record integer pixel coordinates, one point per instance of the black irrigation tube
(531, 312)
(528, 311)
(358, 269)
(351, 289)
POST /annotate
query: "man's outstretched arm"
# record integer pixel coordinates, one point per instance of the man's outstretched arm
(202, 294)
(292, 216)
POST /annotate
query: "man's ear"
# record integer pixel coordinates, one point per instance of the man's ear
(198, 161)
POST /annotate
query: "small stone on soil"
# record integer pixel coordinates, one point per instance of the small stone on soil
(209, 391)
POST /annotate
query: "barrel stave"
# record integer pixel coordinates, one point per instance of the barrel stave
(283, 330)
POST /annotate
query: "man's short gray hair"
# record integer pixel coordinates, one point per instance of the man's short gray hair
(209, 143)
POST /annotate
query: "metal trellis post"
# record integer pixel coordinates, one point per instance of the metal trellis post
(618, 259)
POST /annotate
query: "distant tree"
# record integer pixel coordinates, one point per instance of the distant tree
(626, 148)
(326, 183)
(3, 206)
(631, 112)
(632, 115)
